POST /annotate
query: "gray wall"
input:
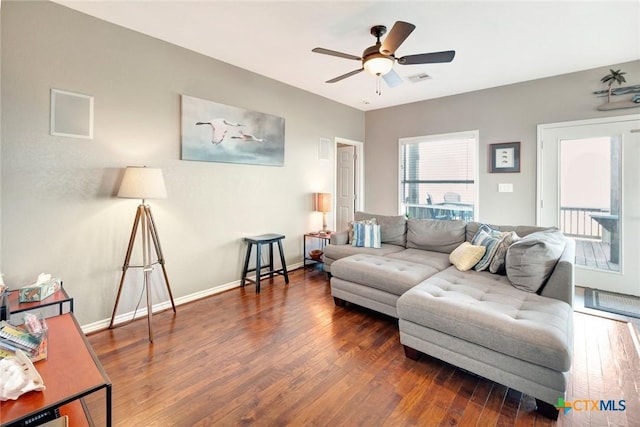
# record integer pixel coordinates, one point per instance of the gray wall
(59, 213)
(503, 114)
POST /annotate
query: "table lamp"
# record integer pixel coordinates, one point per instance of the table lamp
(141, 182)
(322, 203)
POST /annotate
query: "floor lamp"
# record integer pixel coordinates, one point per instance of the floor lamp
(143, 183)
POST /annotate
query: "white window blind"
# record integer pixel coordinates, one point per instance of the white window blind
(438, 176)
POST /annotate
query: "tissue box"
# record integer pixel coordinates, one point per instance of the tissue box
(39, 291)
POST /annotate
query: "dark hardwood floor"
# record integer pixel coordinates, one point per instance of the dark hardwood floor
(290, 357)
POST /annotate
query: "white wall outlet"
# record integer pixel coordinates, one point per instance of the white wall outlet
(505, 188)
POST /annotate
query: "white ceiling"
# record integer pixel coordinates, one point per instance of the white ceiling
(496, 43)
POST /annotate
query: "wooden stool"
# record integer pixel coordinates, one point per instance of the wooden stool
(269, 239)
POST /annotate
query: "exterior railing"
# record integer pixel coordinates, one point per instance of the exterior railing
(574, 221)
(577, 222)
(461, 211)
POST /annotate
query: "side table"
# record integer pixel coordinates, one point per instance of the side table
(321, 238)
(59, 298)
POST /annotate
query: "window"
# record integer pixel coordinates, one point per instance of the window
(438, 176)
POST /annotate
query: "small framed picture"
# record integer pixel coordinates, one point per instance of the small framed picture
(71, 114)
(504, 157)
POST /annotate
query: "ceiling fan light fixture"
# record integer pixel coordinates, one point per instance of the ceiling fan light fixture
(378, 64)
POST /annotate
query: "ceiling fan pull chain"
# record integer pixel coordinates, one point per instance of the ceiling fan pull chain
(378, 89)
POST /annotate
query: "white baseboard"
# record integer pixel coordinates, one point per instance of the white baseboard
(142, 312)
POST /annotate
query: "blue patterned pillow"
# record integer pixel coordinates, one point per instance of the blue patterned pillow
(366, 235)
(490, 239)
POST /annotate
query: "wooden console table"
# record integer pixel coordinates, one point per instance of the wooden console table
(71, 372)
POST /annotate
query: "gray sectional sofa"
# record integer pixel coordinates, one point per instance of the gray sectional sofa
(513, 326)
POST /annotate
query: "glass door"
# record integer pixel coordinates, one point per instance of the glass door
(588, 186)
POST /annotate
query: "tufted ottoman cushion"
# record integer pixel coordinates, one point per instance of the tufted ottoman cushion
(390, 275)
(484, 309)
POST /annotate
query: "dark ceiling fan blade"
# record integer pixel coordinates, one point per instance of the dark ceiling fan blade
(392, 79)
(344, 76)
(398, 34)
(335, 53)
(428, 58)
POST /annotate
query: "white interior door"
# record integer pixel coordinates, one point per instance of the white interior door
(345, 186)
(589, 187)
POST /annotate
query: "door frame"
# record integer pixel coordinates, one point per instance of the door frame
(608, 280)
(540, 134)
(359, 172)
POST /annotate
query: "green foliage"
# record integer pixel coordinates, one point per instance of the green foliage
(616, 76)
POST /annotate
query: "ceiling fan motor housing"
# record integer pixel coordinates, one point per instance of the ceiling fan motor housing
(372, 52)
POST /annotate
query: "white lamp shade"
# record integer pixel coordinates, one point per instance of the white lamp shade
(141, 182)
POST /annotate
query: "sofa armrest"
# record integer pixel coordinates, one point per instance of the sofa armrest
(561, 282)
(339, 238)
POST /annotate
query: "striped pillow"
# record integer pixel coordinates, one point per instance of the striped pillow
(498, 261)
(490, 239)
(361, 221)
(366, 235)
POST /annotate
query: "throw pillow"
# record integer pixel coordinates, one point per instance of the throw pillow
(497, 263)
(465, 256)
(531, 259)
(361, 221)
(393, 228)
(489, 238)
(366, 235)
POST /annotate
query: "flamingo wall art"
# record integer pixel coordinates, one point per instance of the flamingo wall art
(214, 132)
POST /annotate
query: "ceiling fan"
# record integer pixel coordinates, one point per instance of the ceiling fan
(378, 59)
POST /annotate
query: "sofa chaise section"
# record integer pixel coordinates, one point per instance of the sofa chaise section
(377, 282)
(334, 252)
(479, 322)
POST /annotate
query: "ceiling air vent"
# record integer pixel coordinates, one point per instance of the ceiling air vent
(419, 77)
